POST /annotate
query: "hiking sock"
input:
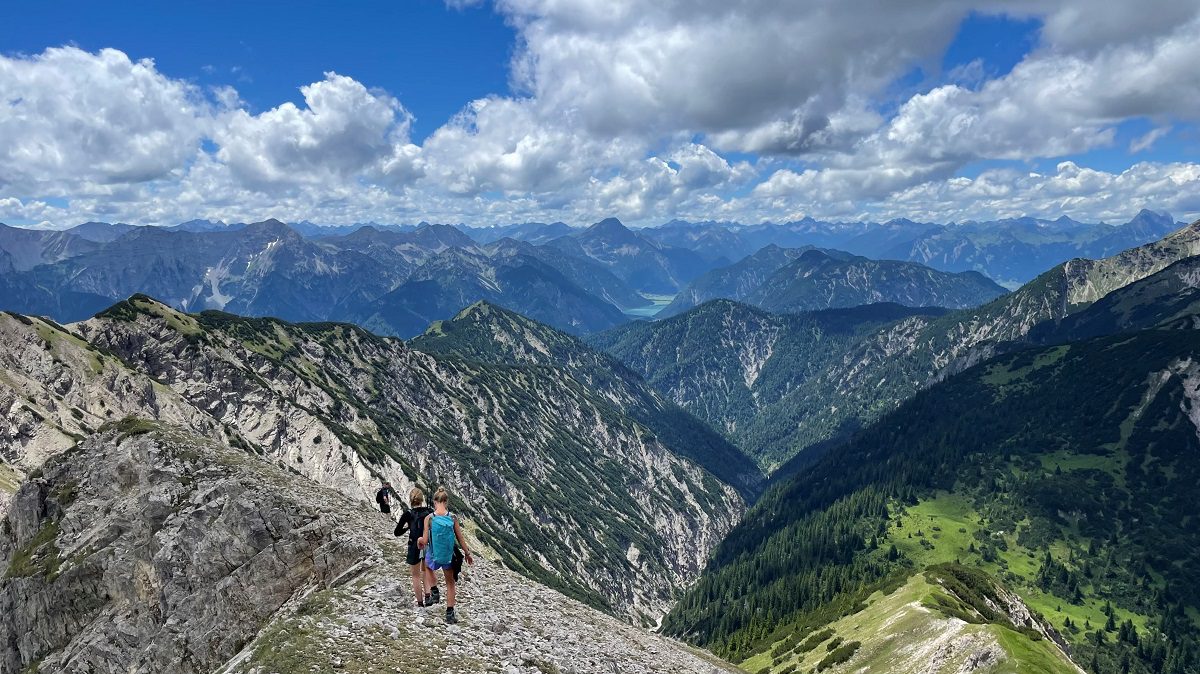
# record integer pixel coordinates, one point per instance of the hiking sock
(435, 594)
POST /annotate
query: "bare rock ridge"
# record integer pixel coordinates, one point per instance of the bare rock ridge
(566, 487)
(146, 548)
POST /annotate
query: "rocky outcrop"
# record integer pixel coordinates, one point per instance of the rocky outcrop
(166, 552)
(56, 388)
(152, 550)
(565, 484)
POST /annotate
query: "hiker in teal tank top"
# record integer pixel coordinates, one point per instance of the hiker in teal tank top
(441, 536)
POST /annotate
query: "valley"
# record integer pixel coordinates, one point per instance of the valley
(878, 486)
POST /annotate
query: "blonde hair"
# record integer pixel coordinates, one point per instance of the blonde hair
(441, 495)
(416, 497)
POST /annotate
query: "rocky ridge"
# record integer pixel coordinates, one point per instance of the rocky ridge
(576, 503)
(147, 548)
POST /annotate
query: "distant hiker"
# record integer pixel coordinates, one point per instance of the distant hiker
(384, 497)
(424, 583)
(441, 539)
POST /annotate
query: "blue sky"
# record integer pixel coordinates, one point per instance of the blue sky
(483, 112)
(433, 57)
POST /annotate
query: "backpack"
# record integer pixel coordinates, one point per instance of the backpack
(441, 534)
(418, 522)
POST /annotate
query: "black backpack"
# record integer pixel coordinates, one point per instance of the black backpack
(418, 522)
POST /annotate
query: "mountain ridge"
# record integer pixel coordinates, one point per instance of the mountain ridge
(345, 408)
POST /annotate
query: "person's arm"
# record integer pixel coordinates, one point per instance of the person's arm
(406, 521)
(462, 542)
(424, 534)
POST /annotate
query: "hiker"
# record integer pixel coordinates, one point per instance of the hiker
(384, 497)
(441, 538)
(413, 521)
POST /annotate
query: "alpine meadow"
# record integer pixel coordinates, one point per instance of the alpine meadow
(585, 337)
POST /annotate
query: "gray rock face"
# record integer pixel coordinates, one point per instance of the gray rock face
(158, 552)
(147, 549)
(55, 388)
(563, 484)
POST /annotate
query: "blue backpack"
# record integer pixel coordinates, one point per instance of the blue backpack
(441, 533)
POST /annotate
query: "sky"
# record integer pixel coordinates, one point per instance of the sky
(496, 111)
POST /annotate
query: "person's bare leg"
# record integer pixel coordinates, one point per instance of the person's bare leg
(450, 588)
(416, 582)
(430, 579)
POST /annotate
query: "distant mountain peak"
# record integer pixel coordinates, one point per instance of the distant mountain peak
(272, 227)
(478, 310)
(609, 226)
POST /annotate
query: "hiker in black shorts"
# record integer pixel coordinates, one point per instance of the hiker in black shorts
(413, 521)
(384, 497)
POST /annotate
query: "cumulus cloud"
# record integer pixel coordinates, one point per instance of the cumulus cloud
(1080, 191)
(719, 66)
(687, 179)
(69, 118)
(1052, 104)
(646, 109)
(1083, 192)
(343, 130)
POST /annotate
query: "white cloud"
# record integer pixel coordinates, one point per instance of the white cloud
(1081, 192)
(1147, 141)
(637, 108)
(1052, 104)
(343, 130)
(69, 118)
(719, 66)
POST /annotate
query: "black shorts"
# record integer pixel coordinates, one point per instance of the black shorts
(414, 554)
(385, 508)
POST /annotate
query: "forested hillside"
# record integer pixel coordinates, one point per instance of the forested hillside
(865, 374)
(1067, 473)
(740, 368)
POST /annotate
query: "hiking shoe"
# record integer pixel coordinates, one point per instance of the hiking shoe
(428, 601)
(435, 594)
(450, 617)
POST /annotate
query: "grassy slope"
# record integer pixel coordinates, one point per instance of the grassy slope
(946, 528)
(898, 632)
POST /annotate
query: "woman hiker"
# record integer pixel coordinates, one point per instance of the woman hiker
(442, 534)
(424, 583)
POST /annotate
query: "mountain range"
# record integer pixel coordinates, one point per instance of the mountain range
(343, 408)
(1004, 483)
(396, 281)
(1011, 251)
(789, 280)
(846, 380)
